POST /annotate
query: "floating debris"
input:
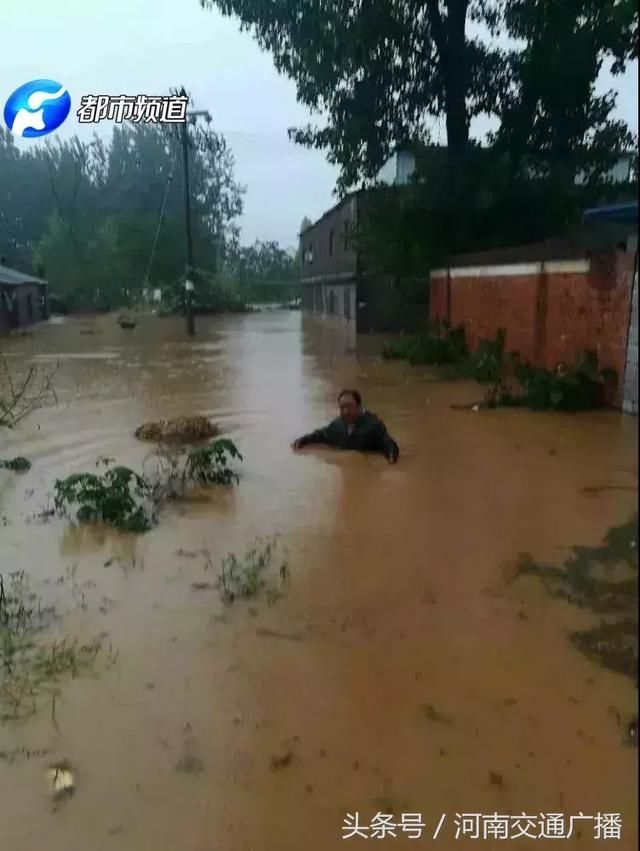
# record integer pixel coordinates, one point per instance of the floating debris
(286, 636)
(283, 761)
(178, 429)
(61, 778)
(189, 764)
(432, 714)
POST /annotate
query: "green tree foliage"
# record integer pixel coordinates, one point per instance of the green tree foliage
(553, 122)
(85, 215)
(263, 271)
(405, 231)
(377, 72)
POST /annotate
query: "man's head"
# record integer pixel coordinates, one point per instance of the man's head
(350, 404)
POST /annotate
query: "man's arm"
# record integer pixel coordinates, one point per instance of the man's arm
(320, 435)
(386, 443)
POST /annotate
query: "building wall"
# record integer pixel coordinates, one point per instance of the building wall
(331, 300)
(388, 305)
(21, 305)
(551, 312)
(325, 249)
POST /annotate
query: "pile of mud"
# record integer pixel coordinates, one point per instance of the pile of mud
(178, 430)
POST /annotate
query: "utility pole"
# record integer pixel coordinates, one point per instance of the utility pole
(187, 222)
(191, 118)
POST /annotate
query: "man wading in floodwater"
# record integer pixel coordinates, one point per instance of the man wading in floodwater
(355, 429)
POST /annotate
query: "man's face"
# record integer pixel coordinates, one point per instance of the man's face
(349, 408)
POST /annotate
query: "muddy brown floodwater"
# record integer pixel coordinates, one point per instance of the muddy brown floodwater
(403, 673)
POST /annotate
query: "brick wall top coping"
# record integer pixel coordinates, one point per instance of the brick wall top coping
(512, 270)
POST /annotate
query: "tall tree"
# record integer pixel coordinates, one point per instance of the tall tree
(375, 72)
(553, 122)
(378, 69)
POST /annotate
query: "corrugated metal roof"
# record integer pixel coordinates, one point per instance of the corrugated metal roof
(13, 278)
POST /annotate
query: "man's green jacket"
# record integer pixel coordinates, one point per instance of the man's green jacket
(368, 435)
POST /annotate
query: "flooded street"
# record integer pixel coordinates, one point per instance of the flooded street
(405, 672)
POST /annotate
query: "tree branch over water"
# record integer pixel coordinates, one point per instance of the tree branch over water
(22, 393)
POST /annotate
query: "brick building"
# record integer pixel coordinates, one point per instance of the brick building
(337, 279)
(23, 299)
(330, 264)
(554, 300)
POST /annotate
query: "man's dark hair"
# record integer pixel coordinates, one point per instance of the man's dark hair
(354, 393)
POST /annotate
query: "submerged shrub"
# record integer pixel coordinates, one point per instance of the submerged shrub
(119, 497)
(486, 364)
(576, 388)
(18, 464)
(210, 465)
(127, 501)
(448, 347)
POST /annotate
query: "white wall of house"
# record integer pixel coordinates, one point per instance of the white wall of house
(398, 169)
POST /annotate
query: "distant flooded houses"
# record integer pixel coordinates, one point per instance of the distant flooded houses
(23, 299)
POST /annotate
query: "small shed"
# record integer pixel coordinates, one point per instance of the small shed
(23, 299)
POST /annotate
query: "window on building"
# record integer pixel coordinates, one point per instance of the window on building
(308, 255)
(331, 237)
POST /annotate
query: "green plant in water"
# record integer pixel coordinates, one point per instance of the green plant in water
(30, 665)
(127, 501)
(211, 464)
(119, 497)
(486, 364)
(18, 465)
(575, 388)
(242, 578)
(438, 347)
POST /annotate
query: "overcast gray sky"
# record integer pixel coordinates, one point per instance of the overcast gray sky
(149, 46)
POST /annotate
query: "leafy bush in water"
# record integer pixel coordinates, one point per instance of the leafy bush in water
(119, 497)
(486, 364)
(432, 348)
(209, 465)
(18, 464)
(576, 388)
(127, 501)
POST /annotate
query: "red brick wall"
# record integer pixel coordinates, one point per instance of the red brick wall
(590, 312)
(483, 305)
(547, 318)
(438, 298)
